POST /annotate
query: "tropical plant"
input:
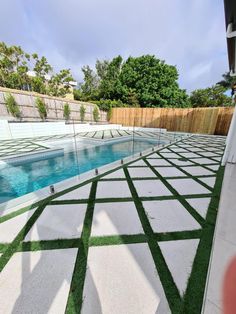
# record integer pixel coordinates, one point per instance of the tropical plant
(210, 97)
(41, 108)
(96, 116)
(228, 81)
(12, 106)
(82, 111)
(66, 111)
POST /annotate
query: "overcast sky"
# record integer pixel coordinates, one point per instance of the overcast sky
(71, 33)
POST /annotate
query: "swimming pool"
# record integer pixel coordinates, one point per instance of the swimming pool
(18, 180)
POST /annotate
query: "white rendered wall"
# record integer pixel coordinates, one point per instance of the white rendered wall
(230, 151)
(23, 130)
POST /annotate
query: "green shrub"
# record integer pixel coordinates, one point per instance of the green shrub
(78, 95)
(105, 104)
(96, 114)
(66, 111)
(82, 111)
(41, 108)
(109, 113)
(12, 106)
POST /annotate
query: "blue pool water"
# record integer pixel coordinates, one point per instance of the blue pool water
(30, 176)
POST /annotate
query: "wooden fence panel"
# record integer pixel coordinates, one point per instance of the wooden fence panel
(194, 120)
(223, 121)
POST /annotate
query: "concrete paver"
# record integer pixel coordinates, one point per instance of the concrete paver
(58, 222)
(37, 282)
(122, 279)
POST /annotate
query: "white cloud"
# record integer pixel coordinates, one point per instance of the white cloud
(187, 33)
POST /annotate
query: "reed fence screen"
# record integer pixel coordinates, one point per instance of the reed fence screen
(194, 120)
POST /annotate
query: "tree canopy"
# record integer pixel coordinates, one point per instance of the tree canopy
(15, 65)
(228, 81)
(210, 97)
(139, 81)
(144, 81)
(153, 82)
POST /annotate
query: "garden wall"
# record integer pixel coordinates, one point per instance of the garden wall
(55, 105)
(194, 120)
(10, 130)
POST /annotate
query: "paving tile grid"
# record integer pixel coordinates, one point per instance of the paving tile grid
(160, 178)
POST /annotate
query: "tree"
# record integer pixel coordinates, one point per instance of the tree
(228, 81)
(153, 81)
(58, 85)
(66, 111)
(106, 104)
(108, 86)
(102, 68)
(96, 116)
(13, 66)
(41, 108)
(133, 99)
(12, 106)
(90, 85)
(41, 66)
(82, 111)
(210, 97)
(78, 94)
(38, 85)
(143, 81)
(14, 72)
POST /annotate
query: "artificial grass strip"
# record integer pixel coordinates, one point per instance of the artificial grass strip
(3, 247)
(70, 202)
(171, 291)
(18, 212)
(157, 198)
(48, 245)
(178, 235)
(117, 240)
(189, 196)
(75, 299)
(112, 179)
(197, 281)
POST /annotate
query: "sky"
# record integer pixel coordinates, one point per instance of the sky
(189, 34)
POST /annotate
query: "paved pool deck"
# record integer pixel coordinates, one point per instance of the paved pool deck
(137, 239)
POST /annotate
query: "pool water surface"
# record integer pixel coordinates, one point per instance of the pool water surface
(20, 179)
